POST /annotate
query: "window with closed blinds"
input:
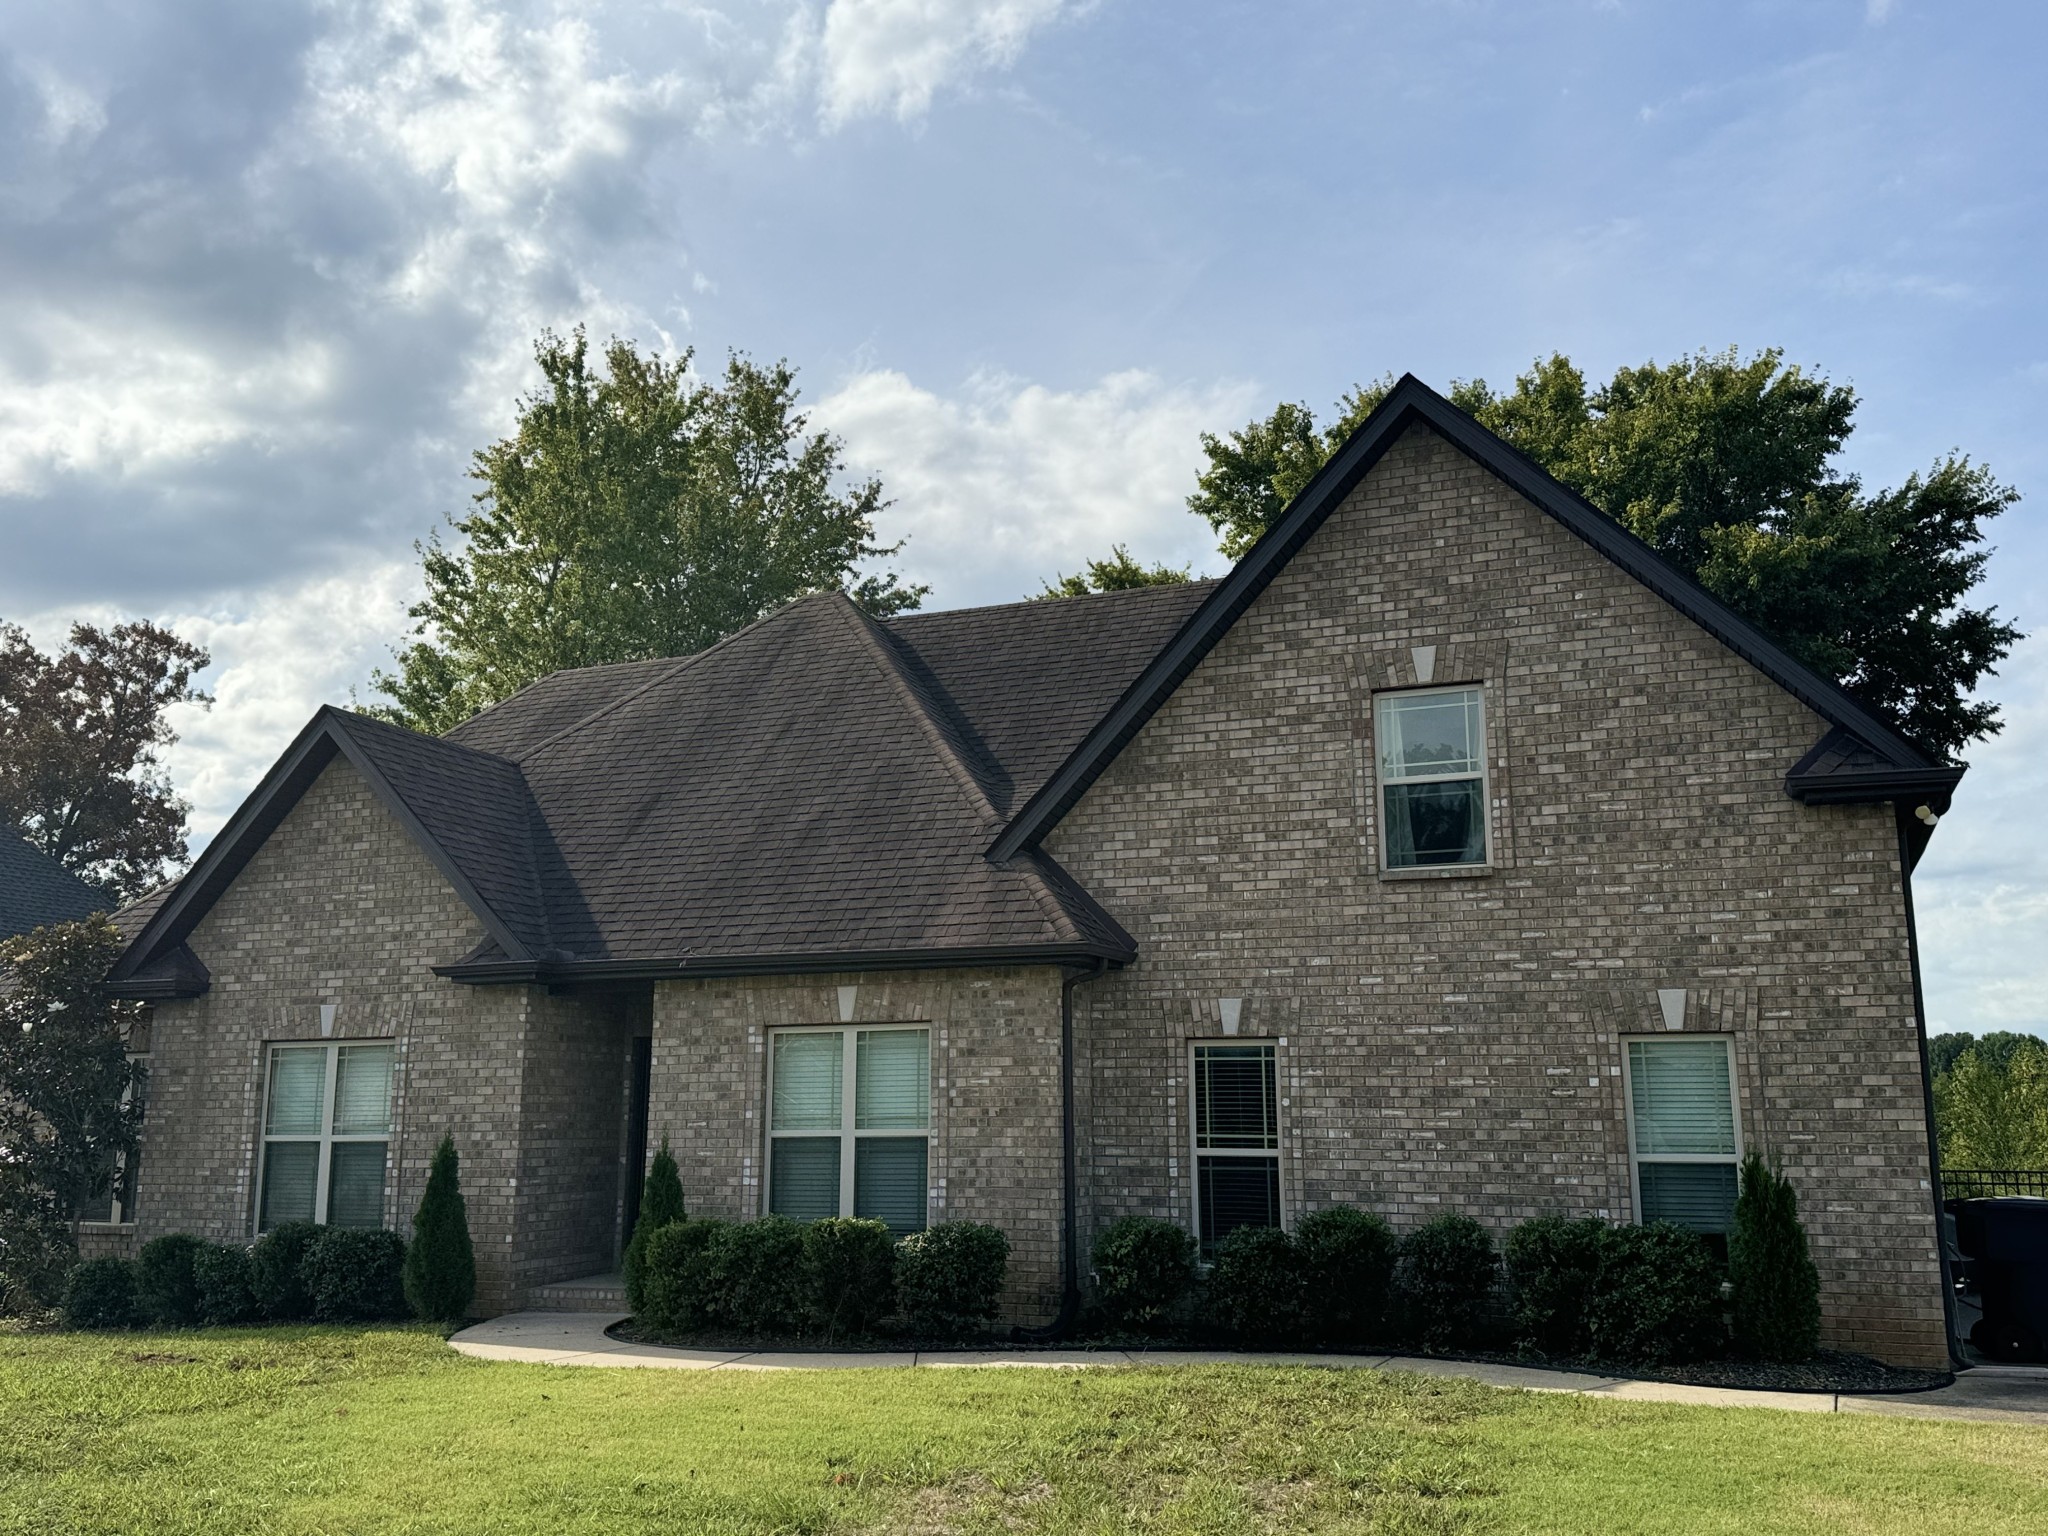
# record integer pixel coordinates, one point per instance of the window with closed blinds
(326, 1134)
(1684, 1135)
(849, 1125)
(1237, 1139)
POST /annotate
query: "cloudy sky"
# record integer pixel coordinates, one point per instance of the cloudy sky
(272, 268)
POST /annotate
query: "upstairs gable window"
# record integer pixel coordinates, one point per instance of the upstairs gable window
(1432, 770)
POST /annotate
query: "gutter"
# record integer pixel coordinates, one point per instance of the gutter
(682, 967)
(1070, 1175)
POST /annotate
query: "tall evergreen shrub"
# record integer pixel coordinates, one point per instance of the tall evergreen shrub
(661, 1202)
(1777, 1289)
(440, 1265)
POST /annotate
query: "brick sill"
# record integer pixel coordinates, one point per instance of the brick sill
(1441, 872)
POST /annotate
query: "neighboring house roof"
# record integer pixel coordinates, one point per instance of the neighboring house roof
(35, 889)
(822, 791)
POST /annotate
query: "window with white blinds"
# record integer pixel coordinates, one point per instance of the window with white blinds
(849, 1124)
(1684, 1135)
(1236, 1124)
(326, 1134)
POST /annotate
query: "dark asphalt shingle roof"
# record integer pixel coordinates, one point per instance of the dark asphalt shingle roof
(35, 889)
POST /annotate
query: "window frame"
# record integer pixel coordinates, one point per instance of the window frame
(848, 1133)
(327, 1137)
(1382, 700)
(1628, 1102)
(1196, 1151)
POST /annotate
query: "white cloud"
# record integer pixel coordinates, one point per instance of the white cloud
(894, 55)
(1009, 483)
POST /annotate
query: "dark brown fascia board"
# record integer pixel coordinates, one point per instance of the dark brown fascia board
(1930, 786)
(258, 816)
(1408, 402)
(186, 977)
(567, 972)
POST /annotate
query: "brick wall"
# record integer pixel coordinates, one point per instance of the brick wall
(1452, 1040)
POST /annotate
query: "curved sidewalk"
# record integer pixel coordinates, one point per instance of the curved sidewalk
(578, 1338)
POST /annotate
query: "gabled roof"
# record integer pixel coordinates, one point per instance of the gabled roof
(35, 889)
(1888, 766)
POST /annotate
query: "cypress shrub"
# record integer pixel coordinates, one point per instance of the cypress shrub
(275, 1271)
(100, 1293)
(850, 1274)
(440, 1264)
(1257, 1289)
(661, 1202)
(752, 1278)
(949, 1278)
(1347, 1264)
(1446, 1278)
(1657, 1299)
(1553, 1264)
(356, 1275)
(165, 1291)
(221, 1273)
(1777, 1289)
(673, 1276)
(1144, 1269)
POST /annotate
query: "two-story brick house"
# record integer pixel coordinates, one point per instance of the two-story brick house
(1451, 853)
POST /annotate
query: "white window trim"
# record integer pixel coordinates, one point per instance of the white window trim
(1628, 1104)
(121, 1216)
(849, 1068)
(327, 1137)
(1381, 782)
(1196, 1151)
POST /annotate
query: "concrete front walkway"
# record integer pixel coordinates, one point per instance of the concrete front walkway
(578, 1338)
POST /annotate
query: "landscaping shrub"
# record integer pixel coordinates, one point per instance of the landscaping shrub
(221, 1273)
(100, 1293)
(850, 1274)
(672, 1283)
(165, 1291)
(1447, 1275)
(1347, 1266)
(948, 1278)
(1257, 1289)
(1657, 1300)
(440, 1264)
(753, 1279)
(36, 1252)
(1553, 1264)
(1144, 1268)
(276, 1266)
(661, 1202)
(356, 1275)
(1776, 1288)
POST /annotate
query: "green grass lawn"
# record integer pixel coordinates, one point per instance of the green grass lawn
(335, 1430)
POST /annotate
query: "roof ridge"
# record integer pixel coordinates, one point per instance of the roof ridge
(1124, 593)
(525, 688)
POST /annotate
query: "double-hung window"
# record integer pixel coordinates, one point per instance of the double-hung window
(849, 1124)
(1237, 1139)
(326, 1134)
(1432, 761)
(1684, 1137)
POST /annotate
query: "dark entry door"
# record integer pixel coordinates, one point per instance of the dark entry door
(636, 1133)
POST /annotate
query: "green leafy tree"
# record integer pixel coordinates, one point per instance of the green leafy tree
(1998, 1048)
(634, 512)
(440, 1263)
(1726, 466)
(661, 1203)
(1776, 1286)
(82, 733)
(1119, 573)
(1991, 1107)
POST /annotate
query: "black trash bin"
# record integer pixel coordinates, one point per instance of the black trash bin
(2006, 1241)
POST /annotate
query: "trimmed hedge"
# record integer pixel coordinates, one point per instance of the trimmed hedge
(100, 1293)
(1347, 1267)
(1258, 1289)
(1446, 1282)
(356, 1275)
(849, 1274)
(275, 1271)
(1657, 1300)
(440, 1264)
(949, 1277)
(1144, 1269)
(165, 1291)
(1776, 1287)
(752, 1278)
(672, 1284)
(1553, 1266)
(221, 1274)
(661, 1202)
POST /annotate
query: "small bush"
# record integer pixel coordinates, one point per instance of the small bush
(356, 1275)
(440, 1263)
(276, 1266)
(36, 1252)
(1347, 1264)
(672, 1284)
(850, 1274)
(1776, 1287)
(661, 1202)
(753, 1278)
(1553, 1266)
(1257, 1288)
(1657, 1300)
(221, 1273)
(1144, 1269)
(100, 1293)
(1446, 1277)
(165, 1291)
(949, 1277)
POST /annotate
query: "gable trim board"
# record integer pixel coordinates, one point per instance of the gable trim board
(1902, 770)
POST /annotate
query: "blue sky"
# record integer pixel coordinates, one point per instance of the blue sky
(274, 269)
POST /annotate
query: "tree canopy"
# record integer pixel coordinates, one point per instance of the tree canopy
(1119, 573)
(634, 511)
(1727, 467)
(81, 737)
(1991, 1100)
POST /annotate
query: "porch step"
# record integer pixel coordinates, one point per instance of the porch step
(592, 1293)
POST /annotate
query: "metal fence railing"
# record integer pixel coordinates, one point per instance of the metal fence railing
(1987, 1183)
